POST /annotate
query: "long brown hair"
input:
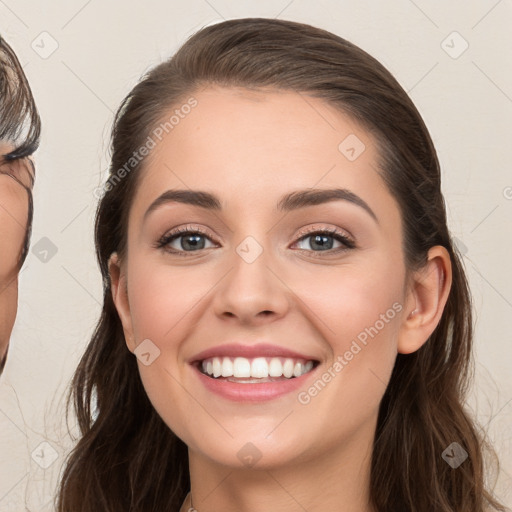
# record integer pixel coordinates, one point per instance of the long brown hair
(127, 458)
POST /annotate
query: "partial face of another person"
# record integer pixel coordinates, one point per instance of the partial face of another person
(260, 279)
(15, 182)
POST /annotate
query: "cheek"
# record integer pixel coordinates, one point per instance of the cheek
(358, 313)
(162, 299)
(13, 225)
(367, 310)
(351, 301)
(162, 305)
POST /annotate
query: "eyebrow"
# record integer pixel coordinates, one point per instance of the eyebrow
(289, 202)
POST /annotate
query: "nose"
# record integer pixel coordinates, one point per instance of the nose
(252, 292)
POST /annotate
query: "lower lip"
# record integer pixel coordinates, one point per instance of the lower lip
(252, 392)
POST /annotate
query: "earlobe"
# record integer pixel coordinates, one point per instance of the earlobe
(120, 298)
(429, 291)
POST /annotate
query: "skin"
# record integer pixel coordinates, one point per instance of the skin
(250, 148)
(13, 226)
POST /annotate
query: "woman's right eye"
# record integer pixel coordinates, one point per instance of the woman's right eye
(189, 240)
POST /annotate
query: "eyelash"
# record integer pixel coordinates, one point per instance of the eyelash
(334, 233)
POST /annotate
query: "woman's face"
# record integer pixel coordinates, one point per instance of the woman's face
(13, 227)
(258, 284)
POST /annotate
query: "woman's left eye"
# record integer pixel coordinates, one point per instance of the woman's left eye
(320, 239)
(193, 240)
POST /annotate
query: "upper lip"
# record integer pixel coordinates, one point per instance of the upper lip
(249, 351)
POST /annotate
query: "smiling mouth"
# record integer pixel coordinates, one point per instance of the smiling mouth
(255, 370)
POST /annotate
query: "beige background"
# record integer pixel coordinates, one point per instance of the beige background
(100, 49)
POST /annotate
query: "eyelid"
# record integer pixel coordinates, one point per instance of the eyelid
(331, 230)
(186, 229)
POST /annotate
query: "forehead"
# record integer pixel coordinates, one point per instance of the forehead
(287, 125)
(253, 146)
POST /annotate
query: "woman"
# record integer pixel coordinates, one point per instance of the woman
(286, 324)
(20, 128)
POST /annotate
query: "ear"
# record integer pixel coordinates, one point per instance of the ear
(427, 296)
(120, 298)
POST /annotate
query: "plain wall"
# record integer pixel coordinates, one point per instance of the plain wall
(105, 47)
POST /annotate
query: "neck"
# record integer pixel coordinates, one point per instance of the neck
(337, 481)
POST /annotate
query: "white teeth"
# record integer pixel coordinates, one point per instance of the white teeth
(227, 367)
(257, 368)
(275, 368)
(241, 367)
(217, 367)
(288, 368)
